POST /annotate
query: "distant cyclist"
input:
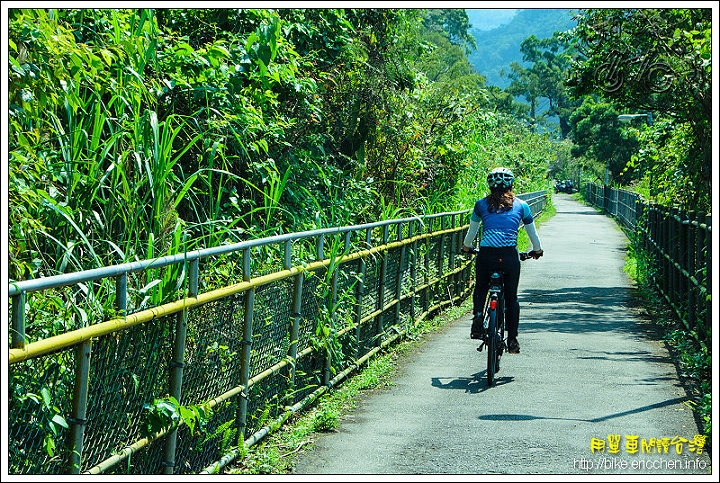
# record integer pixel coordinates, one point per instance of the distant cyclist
(501, 214)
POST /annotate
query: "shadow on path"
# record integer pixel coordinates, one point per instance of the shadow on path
(528, 417)
(584, 309)
(477, 383)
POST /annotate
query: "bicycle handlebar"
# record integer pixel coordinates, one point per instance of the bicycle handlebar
(523, 255)
(526, 255)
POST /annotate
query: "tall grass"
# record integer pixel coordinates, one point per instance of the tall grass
(110, 166)
(108, 181)
(510, 145)
(272, 189)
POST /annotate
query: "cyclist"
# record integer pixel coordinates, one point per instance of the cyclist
(501, 214)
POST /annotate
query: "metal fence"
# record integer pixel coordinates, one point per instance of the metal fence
(291, 317)
(677, 248)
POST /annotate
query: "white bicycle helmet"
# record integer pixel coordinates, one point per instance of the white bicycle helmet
(500, 178)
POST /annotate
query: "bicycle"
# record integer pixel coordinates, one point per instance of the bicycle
(493, 336)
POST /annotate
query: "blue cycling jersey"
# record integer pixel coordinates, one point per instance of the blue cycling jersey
(500, 229)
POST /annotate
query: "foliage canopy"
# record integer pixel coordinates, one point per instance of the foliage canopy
(136, 133)
(656, 61)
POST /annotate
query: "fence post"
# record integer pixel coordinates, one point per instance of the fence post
(121, 294)
(663, 239)
(658, 231)
(296, 318)
(18, 321)
(246, 350)
(426, 265)
(453, 252)
(320, 248)
(177, 365)
(80, 394)
(691, 242)
(616, 198)
(641, 222)
(708, 277)
(333, 319)
(360, 295)
(440, 263)
(606, 199)
(379, 320)
(684, 248)
(399, 275)
(413, 270)
(296, 315)
(675, 241)
(637, 213)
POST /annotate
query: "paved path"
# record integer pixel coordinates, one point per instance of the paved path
(590, 367)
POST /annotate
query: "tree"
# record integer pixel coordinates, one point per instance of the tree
(451, 23)
(655, 60)
(525, 83)
(418, 148)
(550, 60)
(596, 135)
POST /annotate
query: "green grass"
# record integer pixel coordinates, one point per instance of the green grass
(523, 239)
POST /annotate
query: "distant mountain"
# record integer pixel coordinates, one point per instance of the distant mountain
(489, 18)
(499, 32)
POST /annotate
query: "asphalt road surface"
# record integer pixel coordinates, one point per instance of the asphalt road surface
(592, 392)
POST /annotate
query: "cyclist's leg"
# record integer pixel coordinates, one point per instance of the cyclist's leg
(512, 306)
(500, 331)
(482, 284)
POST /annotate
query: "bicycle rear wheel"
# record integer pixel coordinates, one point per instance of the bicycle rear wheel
(491, 346)
(500, 332)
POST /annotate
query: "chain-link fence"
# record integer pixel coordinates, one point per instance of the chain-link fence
(189, 366)
(677, 249)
